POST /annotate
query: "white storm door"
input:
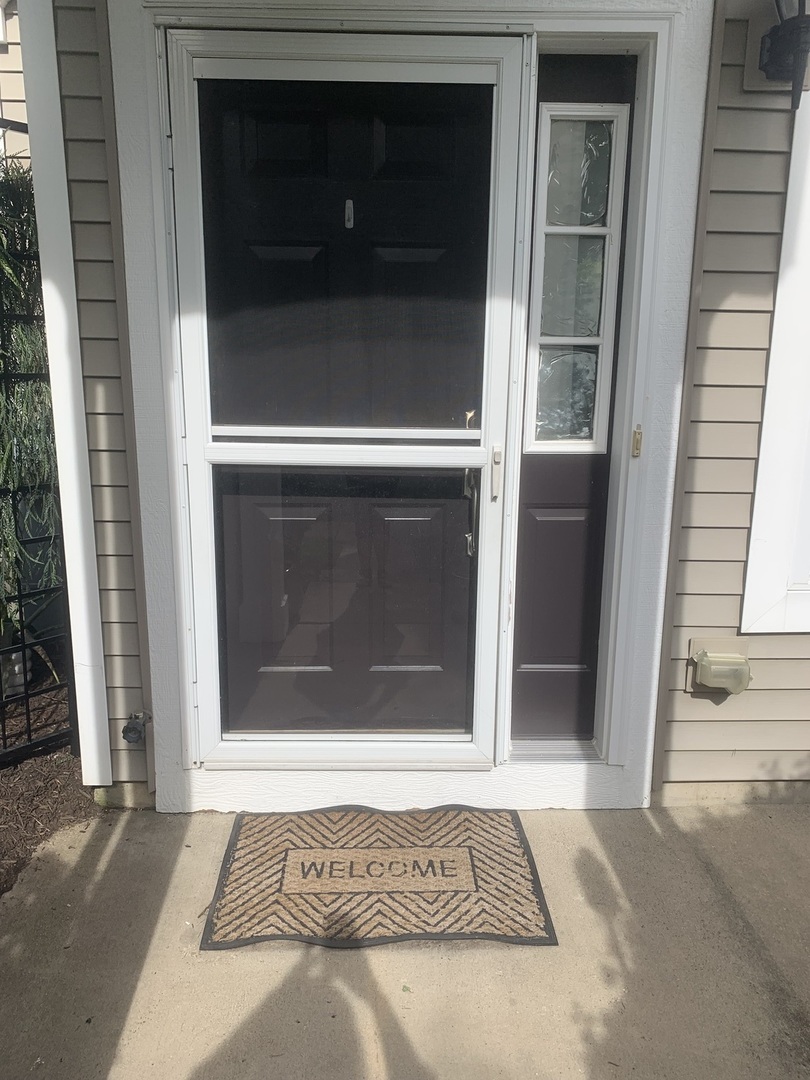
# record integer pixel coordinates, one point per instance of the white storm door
(345, 215)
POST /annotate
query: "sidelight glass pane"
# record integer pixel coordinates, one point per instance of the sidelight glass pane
(346, 600)
(572, 286)
(566, 389)
(579, 172)
(346, 239)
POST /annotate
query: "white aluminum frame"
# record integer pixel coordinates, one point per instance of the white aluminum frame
(257, 431)
(612, 233)
(663, 186)
(492, 61)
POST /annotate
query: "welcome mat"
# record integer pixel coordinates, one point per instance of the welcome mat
(350, 876)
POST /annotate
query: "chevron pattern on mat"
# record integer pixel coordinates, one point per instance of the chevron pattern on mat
(351, 876)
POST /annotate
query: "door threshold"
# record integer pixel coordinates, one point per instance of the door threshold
(331, 736)
(575, 750)
(345, 754)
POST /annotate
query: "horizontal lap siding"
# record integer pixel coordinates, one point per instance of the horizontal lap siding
(764, 733)
(12, 87)
(99, 327)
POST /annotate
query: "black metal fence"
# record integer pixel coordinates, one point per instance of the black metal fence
(36, 691)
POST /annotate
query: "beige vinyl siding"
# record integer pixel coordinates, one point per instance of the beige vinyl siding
(12, 86)
(761, 647)
(709, 766)
(764, 733)
(88, 157)
(749, 172)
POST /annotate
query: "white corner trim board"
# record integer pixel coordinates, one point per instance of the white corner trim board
(65, 364)
(777, 585)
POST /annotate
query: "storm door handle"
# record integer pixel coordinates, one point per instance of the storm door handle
(497, 471)
(472, 486)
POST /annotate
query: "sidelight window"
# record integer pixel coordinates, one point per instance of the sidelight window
(580, 181)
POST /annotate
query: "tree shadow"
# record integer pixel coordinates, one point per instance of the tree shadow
(74, 935)
(704, 919)
(328, 1017)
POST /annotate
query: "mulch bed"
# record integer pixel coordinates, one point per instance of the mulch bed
(50, 713)
(37, 798)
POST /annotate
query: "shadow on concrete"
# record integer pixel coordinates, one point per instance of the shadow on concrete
(737, 1000)
(74, 937)
(684, 945)
(329, 1017)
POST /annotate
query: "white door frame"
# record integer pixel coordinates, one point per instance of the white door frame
(672, 72)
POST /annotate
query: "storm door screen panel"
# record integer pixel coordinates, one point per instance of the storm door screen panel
(346, 599)
(346, 230)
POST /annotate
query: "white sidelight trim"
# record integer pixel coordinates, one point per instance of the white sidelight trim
(65, 364)
(777, 584)
(648, 377)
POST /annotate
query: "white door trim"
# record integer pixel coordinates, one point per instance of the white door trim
(672, 73)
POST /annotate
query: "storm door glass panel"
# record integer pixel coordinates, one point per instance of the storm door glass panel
(345, 231)
(345, 599)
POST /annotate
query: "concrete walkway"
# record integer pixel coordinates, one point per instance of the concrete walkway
(684, 953)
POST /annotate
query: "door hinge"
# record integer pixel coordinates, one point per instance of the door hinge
(635, 446)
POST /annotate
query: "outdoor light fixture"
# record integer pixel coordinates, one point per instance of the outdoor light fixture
(784, 49)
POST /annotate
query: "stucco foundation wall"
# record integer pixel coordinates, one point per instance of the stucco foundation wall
(83, 52)
(763, 734)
